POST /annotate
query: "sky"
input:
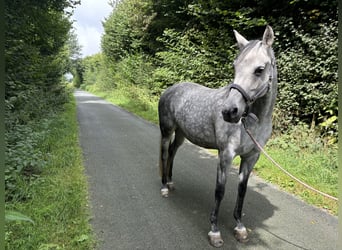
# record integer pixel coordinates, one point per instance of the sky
(88, 19)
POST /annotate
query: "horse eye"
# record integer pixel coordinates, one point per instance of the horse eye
(259, 70)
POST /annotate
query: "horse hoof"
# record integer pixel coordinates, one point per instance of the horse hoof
(171, 186)
(164, 192)
(215, 239)
(241, 234)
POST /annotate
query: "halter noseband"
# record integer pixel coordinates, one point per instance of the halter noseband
(249, 100)
(263, 90)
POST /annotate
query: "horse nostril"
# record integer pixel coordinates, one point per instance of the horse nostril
(233, 111)
(231, 114)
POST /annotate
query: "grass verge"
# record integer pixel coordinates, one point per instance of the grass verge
(58, 200)
(300, 151)
(313, 163)
(132, 98)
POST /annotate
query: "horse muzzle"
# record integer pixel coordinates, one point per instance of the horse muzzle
(231, 115)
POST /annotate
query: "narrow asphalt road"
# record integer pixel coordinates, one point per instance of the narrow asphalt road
(121, 159)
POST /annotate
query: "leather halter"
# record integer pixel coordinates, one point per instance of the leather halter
(261, 91)
(250, 99)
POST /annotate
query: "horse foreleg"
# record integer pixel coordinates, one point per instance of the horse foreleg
(215, 235)
(246, 166)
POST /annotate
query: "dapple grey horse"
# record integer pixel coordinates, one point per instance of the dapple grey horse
(215, 118)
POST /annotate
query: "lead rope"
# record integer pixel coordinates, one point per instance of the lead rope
(281, 168)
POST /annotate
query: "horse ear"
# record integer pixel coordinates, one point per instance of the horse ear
(268, 37)
(242, 42)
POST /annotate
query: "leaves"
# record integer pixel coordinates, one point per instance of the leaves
(36, 58)
(193, 41)
(308, 78)
(16, 216)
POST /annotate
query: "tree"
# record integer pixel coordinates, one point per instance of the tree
(36, 58)
(124, 29)
(73, 46)
(193, 40)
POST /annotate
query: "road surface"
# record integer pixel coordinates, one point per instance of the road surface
(121, 159)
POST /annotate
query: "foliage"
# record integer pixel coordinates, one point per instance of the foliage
(23, 158)
(135, 69)
(186, 58)
(16, 216)
(75, 65)
(38, 52)
(135, 99)
(91, 66)
(124, 29)
(77, 72)
(193, 41)
(57, 200)
(36, 58)
(305, 155)
(308, 79)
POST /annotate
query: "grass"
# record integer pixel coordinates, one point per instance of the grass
(58, 200)
(300, 152)
(132, 98)
(315, 165)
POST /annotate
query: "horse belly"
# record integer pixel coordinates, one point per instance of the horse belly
(199, 130)
(190, 106)
(200, 138)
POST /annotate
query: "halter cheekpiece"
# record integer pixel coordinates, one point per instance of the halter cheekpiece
(263, 90)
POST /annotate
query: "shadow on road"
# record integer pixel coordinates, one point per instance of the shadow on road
(194, 199)
(121, 160)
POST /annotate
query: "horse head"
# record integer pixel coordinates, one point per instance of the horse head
(254, 70)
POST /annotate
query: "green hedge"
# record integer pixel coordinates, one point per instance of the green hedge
(158, 43)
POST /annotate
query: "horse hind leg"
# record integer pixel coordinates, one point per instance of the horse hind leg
(164, 155)
(167, 154)
(177, 142)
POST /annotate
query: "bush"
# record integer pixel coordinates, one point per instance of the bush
(25, 130)
(308, 80)
(23, 159)
(188, 59)
(195, 42)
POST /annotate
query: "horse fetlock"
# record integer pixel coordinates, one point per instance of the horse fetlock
(215, 239)
(164, 192)
(170, 185)
(241, 234)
